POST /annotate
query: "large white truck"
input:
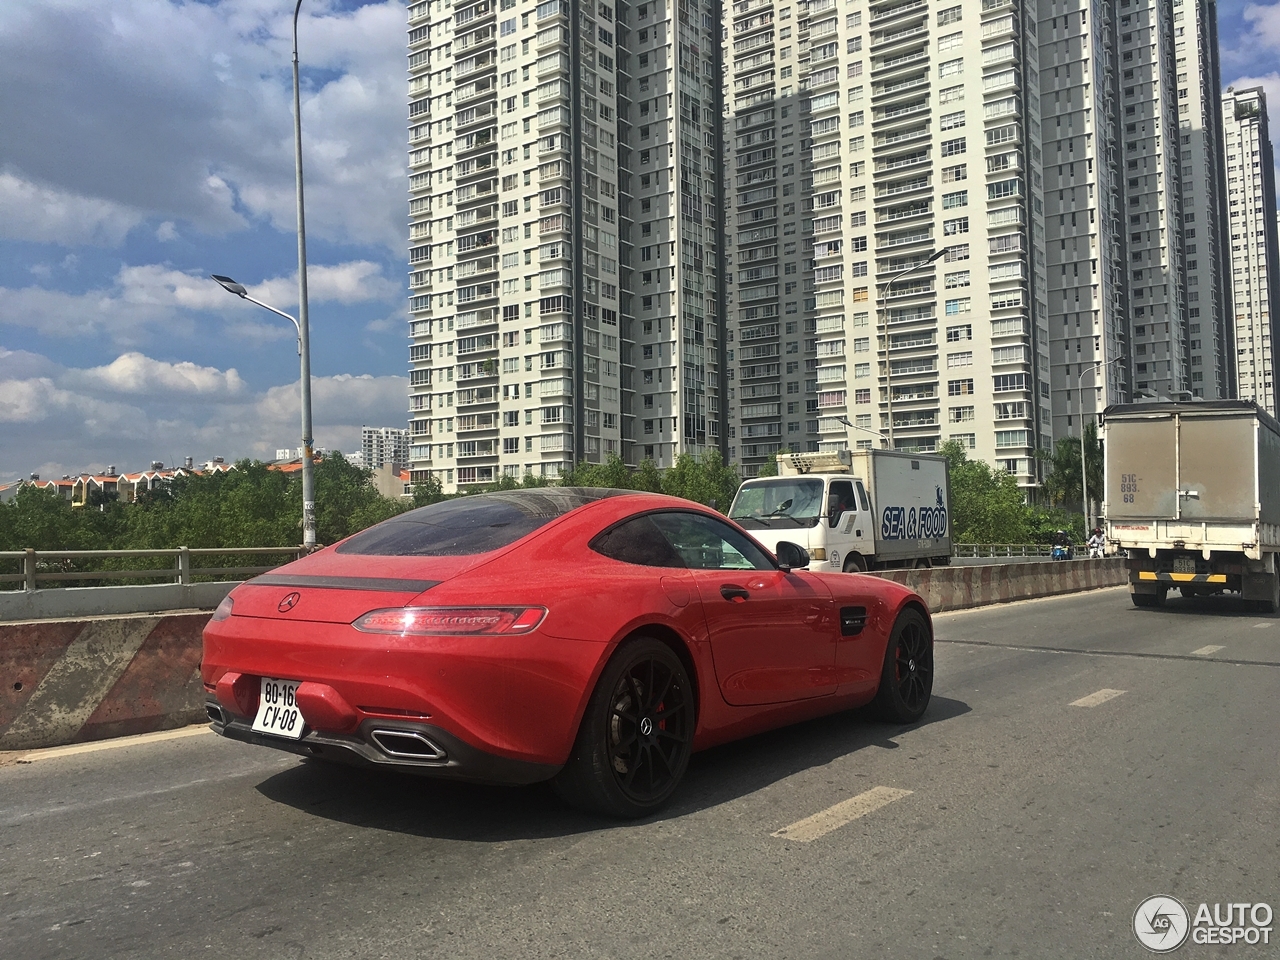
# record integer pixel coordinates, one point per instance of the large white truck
(1192, 498)
(853, 510)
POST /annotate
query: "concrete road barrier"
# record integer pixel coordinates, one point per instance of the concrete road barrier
(957, 588)
(65, 681)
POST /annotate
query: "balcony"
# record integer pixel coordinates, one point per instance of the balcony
(898, 88)
(919, 158)
(907, 212)
(881, 15)
(901, 61)
(902, 187)
(890, 115)
(901, 137)
(879, 41)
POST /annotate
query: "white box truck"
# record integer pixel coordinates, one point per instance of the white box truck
(1192, 498)
(853, 511)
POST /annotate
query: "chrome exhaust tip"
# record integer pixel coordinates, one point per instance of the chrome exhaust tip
(406, 745)
(215, 713)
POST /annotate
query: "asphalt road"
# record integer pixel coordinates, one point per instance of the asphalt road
(1033, 827)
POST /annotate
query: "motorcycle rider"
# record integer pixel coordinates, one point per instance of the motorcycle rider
(1096, 544)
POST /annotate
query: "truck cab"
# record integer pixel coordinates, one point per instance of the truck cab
(827, 513)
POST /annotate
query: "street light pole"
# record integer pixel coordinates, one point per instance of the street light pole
(304, 328)
(884, 319)
(844, 421)
(308, 532)
(1084, 469)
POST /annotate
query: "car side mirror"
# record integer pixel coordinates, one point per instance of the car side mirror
(791, 556)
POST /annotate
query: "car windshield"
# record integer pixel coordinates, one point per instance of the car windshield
(778, 501)
(470, 525)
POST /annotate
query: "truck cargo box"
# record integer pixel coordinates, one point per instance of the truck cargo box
(1205, 473)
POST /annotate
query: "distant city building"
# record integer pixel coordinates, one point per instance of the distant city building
(384, 446)
(1251, 223)
(356, 459)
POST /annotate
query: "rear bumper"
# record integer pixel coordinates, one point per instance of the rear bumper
(418, 748)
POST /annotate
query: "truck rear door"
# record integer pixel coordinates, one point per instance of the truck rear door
(1141, 475)
(1216, 466)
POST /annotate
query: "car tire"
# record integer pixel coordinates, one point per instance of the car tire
(906, 680)
(854, 563)
(616, 768)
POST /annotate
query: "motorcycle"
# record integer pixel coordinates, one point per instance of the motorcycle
(1062, 548)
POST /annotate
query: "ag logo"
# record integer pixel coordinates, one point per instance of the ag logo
(1161, 924)
(289, 602)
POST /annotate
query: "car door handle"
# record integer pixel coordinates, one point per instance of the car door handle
(734, 593)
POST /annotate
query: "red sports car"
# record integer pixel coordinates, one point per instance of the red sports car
(594, 638)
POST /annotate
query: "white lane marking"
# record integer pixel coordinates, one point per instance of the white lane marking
(75, 749)
(1208, 651)
(1093, 699)
(846, 811)
(1261, 626)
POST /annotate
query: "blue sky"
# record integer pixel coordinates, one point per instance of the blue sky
(145, 144)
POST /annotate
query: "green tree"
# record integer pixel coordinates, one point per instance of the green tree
(770, 467)
(1061, 484)
(706, 479)
(987, 506)
(613, 474)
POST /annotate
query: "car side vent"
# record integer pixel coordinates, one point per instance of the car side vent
(852, 620)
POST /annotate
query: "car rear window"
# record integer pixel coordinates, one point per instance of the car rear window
(470, 525)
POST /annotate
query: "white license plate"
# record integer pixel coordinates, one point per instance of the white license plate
(1184, 565)
(278, 712)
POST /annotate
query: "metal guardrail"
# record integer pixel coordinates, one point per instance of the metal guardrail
(1005, 550)
(51, 567)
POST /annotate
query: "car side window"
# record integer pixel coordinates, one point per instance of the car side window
(637, 541)
(704, 543)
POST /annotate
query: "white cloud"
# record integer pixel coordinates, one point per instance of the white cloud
(29, 211)
(1265, 23)
(116, 112)
(357, 281)
(138, 409)
(167, 232)
(154, 300)
(135, 373)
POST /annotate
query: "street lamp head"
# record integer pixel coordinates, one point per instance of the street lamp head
(843, 421)
(230, 285)
(936, 255)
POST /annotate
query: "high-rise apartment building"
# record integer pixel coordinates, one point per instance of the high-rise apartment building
(863, 138)
(1210, 357)
(1085, 212)
(1152, 172)
(1134, 201)
(384, 446)
(1251, 225)
(564, 255)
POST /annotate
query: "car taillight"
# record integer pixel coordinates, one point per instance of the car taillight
(452, 621)
(224, 609)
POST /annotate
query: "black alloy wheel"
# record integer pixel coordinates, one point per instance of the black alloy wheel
(636, 736)
(648, 729)
(906, 681)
